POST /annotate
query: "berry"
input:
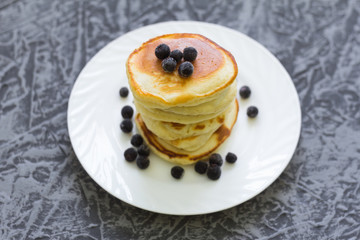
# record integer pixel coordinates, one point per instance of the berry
(177, 55)
(214, 172)
(126, 125)
(177, 172)
(124, 91)
(168, 64)
(231, 157)
(216, 159)
(144, 150)
(245, 92)
(142, 162)
(130, 154)
(252, 112)
(127, 112)
(201, 167)
(190, 54)
(186, 69)
(136, 140)
(162, 51)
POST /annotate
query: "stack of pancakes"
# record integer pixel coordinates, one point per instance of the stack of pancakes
(184, 119)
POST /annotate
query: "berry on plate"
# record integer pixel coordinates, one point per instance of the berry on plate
(130, 154)
(244, 92)
(214, 172)
(177, 172)
(124, 92)
(252, 111)
(127, 112)
(231, 157)
(201, 167)
(136, 140)
(126, 125)
(142, 162)
(216, 159)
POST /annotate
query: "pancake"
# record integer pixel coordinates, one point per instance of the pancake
(190, 143)
(179, 156)
(212, 107)
(184, 119)
(173, 117)
(173, 131)
(214, 70)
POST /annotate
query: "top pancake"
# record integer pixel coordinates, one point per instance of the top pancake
(214, 70)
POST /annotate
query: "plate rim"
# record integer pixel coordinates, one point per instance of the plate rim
(263, 49)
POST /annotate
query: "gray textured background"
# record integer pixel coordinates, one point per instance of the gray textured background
(46, 194)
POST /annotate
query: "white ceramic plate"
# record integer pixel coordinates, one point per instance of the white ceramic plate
(264, 146)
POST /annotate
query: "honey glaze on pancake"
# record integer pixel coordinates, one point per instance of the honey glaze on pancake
(222, 133)
(209, 60)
